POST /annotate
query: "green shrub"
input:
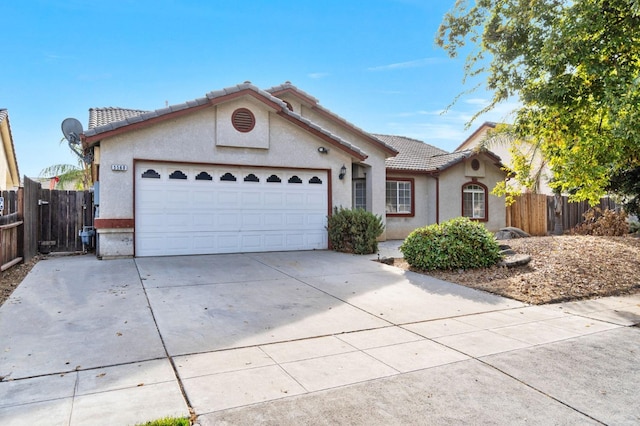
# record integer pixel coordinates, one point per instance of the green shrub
(456, 244)
(354, 231)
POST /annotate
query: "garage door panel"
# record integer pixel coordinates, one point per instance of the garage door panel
(273, 200)
(204, 242)
(274, 220)
(295, 219)
(178, 242)
(275, 241)
(294, 201)
(177, 197)
(251, 221)
(316, 240)
(151, 223)
(295, 239)
(252, 242)
(178, 220)
(226, 221)
(228, 198)
(315, 201)
(316, 220)
(150, 243)
(251, 199)
(228, 243)
(152, 198)
(203, 220)
(203, 198)
(189, 216)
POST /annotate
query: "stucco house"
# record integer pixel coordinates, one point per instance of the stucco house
(501, 148)
(442, 186)
(9, 174)
(250, 170)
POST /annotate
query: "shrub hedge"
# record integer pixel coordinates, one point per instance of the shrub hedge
(455, 244)
(354, 231)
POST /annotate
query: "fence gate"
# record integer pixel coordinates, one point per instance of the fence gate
(63, 214)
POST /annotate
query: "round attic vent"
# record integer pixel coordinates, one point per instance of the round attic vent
(243, 120)
(475, 164)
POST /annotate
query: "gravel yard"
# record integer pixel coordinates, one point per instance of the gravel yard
(568, 267)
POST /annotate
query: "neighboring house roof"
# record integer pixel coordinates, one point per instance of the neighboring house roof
(125, 120)
(417, 156)
(9, 150)
(103, 116)
(314, 104)
(471, 141)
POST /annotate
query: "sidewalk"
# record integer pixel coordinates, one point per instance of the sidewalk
(339, 339)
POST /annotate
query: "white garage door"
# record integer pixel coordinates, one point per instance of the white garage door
(190, 209)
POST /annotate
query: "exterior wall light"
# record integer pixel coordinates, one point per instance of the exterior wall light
(323, 150)
(343, 172)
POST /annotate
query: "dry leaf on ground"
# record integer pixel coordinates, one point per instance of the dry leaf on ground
(568, 267)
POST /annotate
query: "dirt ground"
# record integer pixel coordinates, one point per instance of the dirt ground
(13, 276)
(562, 268)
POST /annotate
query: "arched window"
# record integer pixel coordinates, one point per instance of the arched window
(474, 201)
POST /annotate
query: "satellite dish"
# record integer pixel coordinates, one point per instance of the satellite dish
(72, 129)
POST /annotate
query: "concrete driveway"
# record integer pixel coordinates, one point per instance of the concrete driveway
(303, 337)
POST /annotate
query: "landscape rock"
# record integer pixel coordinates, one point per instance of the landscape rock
(515, 260)
(387, 260)
(511, 232)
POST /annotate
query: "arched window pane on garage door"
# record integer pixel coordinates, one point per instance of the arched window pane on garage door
(204, 176)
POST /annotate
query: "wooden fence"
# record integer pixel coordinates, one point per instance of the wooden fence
(536, 213)
(11, 230)
(31, 193)
(62, 216)
(42, 220)
(529, 213)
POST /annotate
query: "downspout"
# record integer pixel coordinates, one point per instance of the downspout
(437, 178)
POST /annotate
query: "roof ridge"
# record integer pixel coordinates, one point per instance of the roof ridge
(97, 127)
(118, 108)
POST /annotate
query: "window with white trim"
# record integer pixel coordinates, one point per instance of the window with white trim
(398, 197)
(474, 204)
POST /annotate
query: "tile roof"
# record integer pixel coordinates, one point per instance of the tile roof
(415, 155)
(288, 87)
(102, 120)
(485, 125)
(103, 116)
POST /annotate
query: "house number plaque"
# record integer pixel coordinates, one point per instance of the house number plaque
(119, 167)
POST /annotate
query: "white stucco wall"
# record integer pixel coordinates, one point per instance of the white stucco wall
(425, 208)
(192, 138)
(451, 182)
(376, 177)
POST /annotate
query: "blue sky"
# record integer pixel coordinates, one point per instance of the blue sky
(374, 63)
